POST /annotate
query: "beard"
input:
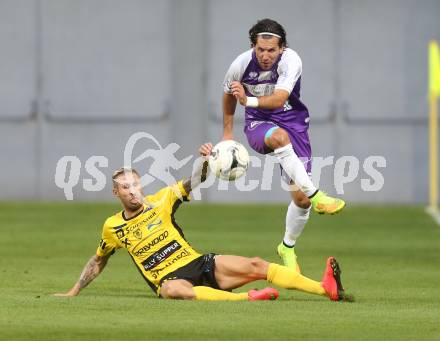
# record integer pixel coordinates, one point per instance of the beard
(135, 206)
(135, 203)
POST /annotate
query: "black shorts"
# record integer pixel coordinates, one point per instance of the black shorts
(200, 272)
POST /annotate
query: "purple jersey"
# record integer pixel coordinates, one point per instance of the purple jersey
(285, 74)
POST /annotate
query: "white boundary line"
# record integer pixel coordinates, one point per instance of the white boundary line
(434, 213)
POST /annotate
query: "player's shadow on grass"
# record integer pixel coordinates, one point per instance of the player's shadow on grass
(298, 299)
(131, 295)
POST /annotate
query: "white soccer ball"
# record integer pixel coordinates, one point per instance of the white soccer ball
(229, 160)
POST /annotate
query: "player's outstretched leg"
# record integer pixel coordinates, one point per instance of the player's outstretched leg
(323, 203)
(203, 293)
(279, 140)
(182, 289)
(235, 271)
(331, 285)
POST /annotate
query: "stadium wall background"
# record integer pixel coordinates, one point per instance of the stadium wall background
(78, 77)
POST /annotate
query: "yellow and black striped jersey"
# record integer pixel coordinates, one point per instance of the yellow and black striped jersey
(152, 238)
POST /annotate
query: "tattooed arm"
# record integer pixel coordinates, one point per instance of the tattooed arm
(201, 170)
(92, 269)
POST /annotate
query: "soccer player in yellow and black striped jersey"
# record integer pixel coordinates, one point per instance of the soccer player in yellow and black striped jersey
(146, 228)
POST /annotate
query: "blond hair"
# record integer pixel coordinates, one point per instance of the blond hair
(122, 170)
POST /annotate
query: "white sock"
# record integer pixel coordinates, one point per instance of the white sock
(294, 168)
(296, 219)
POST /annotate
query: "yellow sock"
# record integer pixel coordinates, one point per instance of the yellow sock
(210, 294)
(290, 279)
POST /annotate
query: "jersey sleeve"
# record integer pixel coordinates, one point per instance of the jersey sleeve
(289, 70)
(107, 245)
(169, 196)
(236, 70)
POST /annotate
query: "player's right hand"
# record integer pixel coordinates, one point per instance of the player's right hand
(238, 92)
(205, 149)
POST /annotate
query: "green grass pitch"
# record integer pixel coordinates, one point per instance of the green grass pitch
(390, 259)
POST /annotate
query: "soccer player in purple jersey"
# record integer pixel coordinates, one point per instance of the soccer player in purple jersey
(266, 80)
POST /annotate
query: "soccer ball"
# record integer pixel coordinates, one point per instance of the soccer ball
(229, 160)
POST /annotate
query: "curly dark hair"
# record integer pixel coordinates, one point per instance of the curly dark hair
(267, 25)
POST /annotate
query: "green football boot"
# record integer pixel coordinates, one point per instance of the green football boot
(288, 256)
(322, 203)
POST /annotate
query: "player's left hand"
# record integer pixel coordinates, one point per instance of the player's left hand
(205, 149)
(238, 92)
